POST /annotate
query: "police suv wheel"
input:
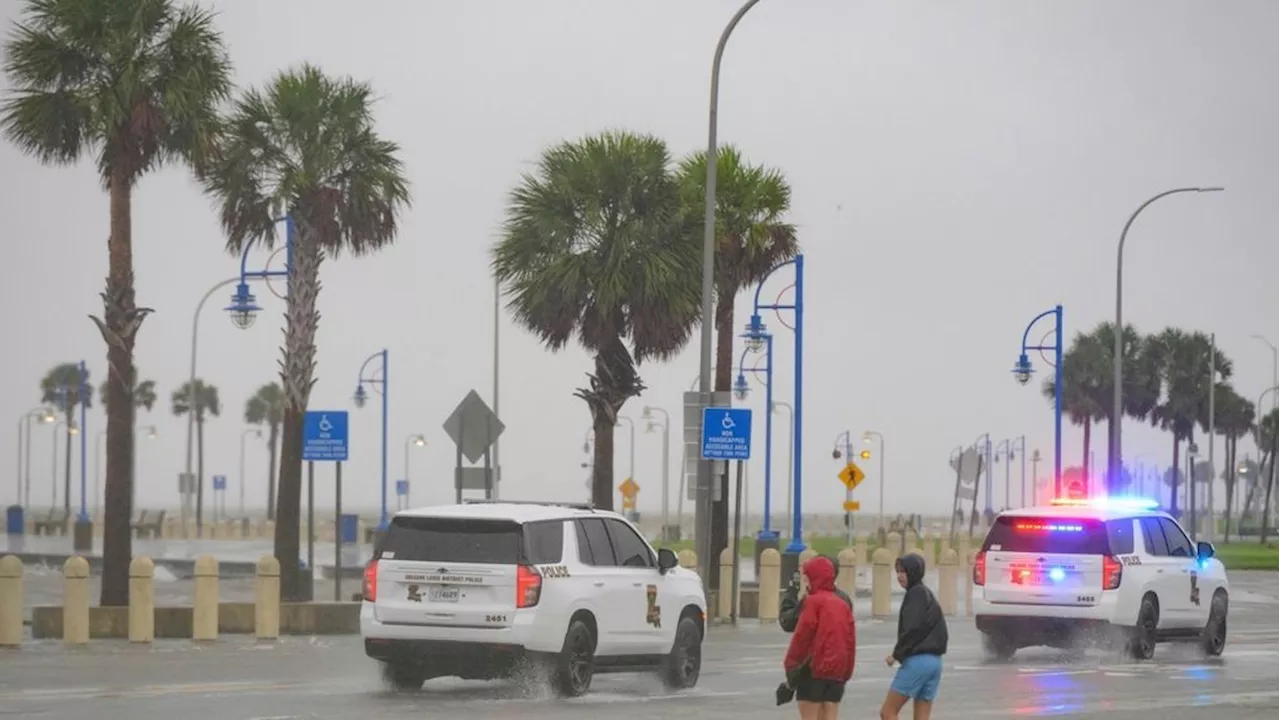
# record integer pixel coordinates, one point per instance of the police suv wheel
(1142, 639)
(576, 664)
(685, 661)
(1214, 639)
(997, 647)
(403, 676)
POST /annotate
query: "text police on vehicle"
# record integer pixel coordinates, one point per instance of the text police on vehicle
(489, 589)
(1116, 570)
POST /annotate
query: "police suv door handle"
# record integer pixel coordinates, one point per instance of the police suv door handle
(636, 584)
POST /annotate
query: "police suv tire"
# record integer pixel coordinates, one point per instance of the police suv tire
(684, 663)
(997, 647)
(1142, 638)
(404, 676)
(576, 664)
(1214, 639)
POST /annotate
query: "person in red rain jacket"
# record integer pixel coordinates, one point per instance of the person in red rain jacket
(820, 658)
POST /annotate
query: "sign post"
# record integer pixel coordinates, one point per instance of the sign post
(629, 489)
(219, 497)
(325, 439)
(726, 435)
(474, 428)
(402, 494)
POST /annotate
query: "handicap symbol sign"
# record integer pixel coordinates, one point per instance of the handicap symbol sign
(324, 436)
(726, 434)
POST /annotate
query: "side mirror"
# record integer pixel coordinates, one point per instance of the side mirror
(667, 559)
(1204, 550)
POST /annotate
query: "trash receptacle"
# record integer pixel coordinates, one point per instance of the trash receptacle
(350, 529)
(14, 520)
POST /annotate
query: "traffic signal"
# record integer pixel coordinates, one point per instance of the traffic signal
(865, 455)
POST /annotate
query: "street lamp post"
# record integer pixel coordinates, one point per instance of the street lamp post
(257, 433)
(1117, 404)
(847, 437)
(1275, 365)
(866, 438)
(791, 446)
(665, 424)
(767, 537)
(703, 511)
(416, 440)
(756, 329)
(43, 416)
(631, 460)
(379, 382)
(72, 430)
(983, 445)
(1022, 371)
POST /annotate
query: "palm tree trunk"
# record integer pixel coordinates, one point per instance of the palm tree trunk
(297, 377)
(602, 459)
(199, 470)
(273, 441)
(725, 297)
(66, 475)
(1230, 488)
(1266, 502)
(1084, 461)
(119, 325)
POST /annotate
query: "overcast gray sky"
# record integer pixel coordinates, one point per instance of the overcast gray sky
(957, 168)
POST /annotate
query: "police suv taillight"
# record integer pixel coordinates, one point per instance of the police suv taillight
(1112, 572)
(370, 590)
(528, 586)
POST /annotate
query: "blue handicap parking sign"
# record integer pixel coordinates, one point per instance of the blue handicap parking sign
(324, 436)
(402, 487)
(219, 482)
(726, 433)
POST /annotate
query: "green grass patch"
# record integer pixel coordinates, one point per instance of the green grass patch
(1248, 555)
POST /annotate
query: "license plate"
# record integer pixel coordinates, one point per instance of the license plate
(444, 595)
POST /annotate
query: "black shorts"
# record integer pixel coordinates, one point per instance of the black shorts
(819, 691)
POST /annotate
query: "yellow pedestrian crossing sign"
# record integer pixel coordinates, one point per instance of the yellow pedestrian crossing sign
(851, 476)
(629, 489)
(852, 506)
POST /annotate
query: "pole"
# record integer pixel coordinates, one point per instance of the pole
(1008, 449)
(242, 437)
(797, 531)
(18, 476)
(386, 390)
(848, 492)
(26, 475)
(1022, 482)
(1117, 359)
(497, 463)
(766, 531)
(311, 526)
(1213, 380)
(1057, 402)
(337, 536)
(54, 484)
(191, 385)
(457, 468)
(703, 511)
(666, 474)
(737, 544)
(406, 466)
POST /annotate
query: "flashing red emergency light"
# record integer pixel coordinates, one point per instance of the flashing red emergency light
(1108, 503)
(1047, 527)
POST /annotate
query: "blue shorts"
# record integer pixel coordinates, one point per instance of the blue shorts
(918, 677)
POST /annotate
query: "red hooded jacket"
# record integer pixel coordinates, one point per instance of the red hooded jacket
(825, 634)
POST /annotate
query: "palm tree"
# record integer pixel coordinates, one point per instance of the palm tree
(207, 405)
(1181, 360)
(1082, 366)
(595, 248)
(1234, 420)
(266, 407)
(1268, 447)
(133, 84)
(61, 388)
(752, 238)
(305, 146)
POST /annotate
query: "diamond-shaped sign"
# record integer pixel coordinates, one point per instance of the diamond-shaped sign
(852, 476)
(629, 488)
(473, 426)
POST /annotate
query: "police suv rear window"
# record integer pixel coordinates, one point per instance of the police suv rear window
(1068, 536)
(458, 540)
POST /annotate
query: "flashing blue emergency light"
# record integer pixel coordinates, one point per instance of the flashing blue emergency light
(1057, 574)
(1108, 503)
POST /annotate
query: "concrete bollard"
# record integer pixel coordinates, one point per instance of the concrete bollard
(806, 555)
(266, 599)
(893, 542)
(930, 547)
(204, 614)
(968, 582)
(770, 584)
(860, 549)
(11, 601)
(910, 542)
(75, 601)
(947, 581)
(847, 572)
(688, 560)
(881, 577)
(142, 600)
(962, 548)
(267, 531)
(725, 596)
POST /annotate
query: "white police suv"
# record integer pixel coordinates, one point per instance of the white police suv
(1115, 570)
(492, 589)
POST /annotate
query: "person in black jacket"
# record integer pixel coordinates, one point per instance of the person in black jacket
(922, 641)
(791, 605)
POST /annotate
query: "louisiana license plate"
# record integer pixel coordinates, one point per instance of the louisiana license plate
(444, 594)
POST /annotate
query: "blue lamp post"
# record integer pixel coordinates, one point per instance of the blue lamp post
(244, 306)
(379, 382)
(756, 329)
(741, 390)
(1022, 372)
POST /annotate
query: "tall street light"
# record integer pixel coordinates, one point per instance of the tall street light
(1275, 364)
(378, 381)
(767, 537)
(983, 446)
(43, 415)
(497, 318)
(791, 445)
(257, 434)
(631, 462)
(1115, 455)
(71, 430)
(702, 525)
(416, 440)
(1022, 371)
(665, 424)
(866, 438)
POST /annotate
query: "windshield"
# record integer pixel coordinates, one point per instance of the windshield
(1067, 536)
